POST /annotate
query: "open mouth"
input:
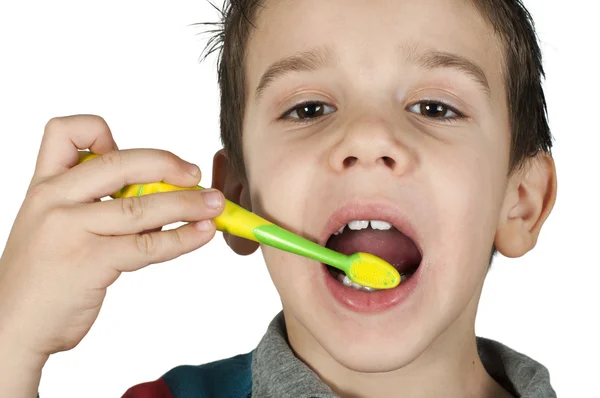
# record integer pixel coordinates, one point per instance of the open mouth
(380, 238)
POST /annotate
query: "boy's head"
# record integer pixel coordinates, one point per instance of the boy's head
(428, 115)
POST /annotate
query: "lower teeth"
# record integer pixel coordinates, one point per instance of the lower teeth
(347, 282)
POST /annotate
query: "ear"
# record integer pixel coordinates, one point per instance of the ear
(529, 199)
(226, 180)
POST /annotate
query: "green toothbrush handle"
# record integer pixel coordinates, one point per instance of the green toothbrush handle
(240, 222)
(275, 236)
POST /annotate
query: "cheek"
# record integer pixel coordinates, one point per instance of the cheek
(467, 201)
(282, 180)
(292, 276)
(469, 190)
(282, 174)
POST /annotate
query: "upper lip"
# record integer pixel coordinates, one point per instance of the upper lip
(369, 211)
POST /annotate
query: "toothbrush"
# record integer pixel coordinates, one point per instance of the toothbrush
(362, 268)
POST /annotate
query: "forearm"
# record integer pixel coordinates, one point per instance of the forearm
(20, 372)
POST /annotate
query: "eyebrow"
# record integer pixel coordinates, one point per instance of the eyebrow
(307, 61)
(319, 58)
(433, 59)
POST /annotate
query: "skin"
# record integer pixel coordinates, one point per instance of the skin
(66, 246)
(374, 146)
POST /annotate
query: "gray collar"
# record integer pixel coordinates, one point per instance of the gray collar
(278, 373)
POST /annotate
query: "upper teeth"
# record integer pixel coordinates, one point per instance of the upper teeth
(382, 225)
(356, 225)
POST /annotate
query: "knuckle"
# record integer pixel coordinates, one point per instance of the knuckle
(38, 190)
(189, 203)
(96, 123)
(97, 119)
(171, 160)
(133, 208)
(184, 200)
(176, 237)
(41, 192)
(112, 159)
(146, 244)
(53, 125)
(58, 123)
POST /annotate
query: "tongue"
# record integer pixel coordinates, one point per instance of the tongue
(391, 245)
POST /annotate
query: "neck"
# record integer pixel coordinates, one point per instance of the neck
(450, 367)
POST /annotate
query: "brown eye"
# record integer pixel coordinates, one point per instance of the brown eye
(310, 110)
(435, 110)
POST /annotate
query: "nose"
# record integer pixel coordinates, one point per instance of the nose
(371, 144)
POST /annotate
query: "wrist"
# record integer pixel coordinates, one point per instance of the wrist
(16, 355)
(20, 370)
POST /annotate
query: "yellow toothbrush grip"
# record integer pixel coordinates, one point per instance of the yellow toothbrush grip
(239, 222)
(147, 189)
(234, 219)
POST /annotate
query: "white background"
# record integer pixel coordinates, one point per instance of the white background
(136, 64)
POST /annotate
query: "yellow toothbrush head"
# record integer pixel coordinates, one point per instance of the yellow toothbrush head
(369, 270)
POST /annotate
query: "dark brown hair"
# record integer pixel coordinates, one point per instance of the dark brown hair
(512, 24)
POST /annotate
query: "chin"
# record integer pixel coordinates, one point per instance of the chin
(380, 344)
(373, 358)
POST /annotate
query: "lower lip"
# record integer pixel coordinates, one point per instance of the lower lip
(371, 302)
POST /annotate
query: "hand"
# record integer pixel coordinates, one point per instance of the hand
(66, 246)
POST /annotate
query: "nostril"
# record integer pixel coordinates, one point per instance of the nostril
(389, 162)
(350, 161)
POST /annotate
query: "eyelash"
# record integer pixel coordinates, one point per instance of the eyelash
(453, 119)
(458, 115)
(286, 115)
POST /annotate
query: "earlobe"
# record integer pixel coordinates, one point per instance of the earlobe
(529, 199)
(226, 180)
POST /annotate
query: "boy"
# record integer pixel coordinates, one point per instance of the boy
(414, 130)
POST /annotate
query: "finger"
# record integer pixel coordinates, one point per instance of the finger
(139, 250)
(142, 213)
(107, 174)
(63, 136)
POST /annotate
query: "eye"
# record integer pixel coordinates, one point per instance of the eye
(436, 110)
(308, 110)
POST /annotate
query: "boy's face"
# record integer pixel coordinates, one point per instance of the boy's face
(406, 123)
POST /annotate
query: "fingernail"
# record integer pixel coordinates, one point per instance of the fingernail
(212, 199)
(204, 225)
(194, 170)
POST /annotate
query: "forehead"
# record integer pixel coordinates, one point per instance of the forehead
(368, 33)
